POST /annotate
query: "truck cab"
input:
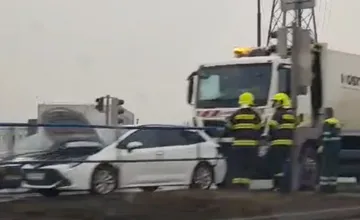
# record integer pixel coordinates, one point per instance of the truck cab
(214, 89)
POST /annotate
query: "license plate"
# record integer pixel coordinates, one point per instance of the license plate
(12, 177)
(35, 176)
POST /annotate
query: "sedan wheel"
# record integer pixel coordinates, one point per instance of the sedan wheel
(203, 177)
(104, 181)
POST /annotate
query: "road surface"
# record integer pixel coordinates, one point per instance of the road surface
(186, 204)
(6, 195)
(13, 194)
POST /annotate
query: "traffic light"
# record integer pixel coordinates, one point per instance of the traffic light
(120, 110)
(100, 104)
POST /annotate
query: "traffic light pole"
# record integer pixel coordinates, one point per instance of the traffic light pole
(107, 109)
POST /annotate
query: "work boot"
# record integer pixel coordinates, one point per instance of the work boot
(276, 181)
(332, 189)
(244, 187)
(325, 189)
(240, 187)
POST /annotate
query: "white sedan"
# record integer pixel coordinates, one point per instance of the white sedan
(106, 175)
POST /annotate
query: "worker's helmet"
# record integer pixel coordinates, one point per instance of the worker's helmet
(281, 100)
(287, 103)
(246, 99)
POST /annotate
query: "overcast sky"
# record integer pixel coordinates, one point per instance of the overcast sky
(73, 51)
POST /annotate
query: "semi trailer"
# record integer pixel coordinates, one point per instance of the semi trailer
(214, 88)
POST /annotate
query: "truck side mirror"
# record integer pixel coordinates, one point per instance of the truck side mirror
(190, 89)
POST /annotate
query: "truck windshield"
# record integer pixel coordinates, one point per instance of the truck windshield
(220, 86)
(285, 81)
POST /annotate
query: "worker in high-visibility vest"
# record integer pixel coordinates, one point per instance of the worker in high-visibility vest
(245, 124)
(281, 132)
(331, 145)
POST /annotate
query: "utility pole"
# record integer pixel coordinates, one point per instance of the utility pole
(300, 65)
(304, 17)
(259, 23)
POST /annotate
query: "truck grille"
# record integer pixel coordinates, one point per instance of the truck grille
(214, 123)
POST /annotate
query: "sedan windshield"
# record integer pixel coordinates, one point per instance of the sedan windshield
(220, 86)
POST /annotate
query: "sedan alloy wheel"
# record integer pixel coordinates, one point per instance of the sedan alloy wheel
(104, 181)
(202, 177)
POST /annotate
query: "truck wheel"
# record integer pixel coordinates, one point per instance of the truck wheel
(309, 166)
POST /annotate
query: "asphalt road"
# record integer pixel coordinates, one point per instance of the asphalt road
(347, 187)
(217, 204)
(7, 194)
(16, 194)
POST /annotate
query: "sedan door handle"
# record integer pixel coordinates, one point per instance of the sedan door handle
(159, 153)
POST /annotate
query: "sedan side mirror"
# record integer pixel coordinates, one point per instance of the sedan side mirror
(133, 145)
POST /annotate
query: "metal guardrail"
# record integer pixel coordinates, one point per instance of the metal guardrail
(130, 127)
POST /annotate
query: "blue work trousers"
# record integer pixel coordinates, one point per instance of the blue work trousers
(242, 164)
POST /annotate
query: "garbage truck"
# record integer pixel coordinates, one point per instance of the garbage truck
(214, 88)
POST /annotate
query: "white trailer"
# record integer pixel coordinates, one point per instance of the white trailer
(341, 87)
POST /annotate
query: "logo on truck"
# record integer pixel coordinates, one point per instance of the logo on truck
(350, 80)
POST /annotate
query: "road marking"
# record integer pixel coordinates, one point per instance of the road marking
(299, 214)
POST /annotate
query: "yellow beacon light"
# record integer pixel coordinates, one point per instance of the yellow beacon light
(242, 51)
